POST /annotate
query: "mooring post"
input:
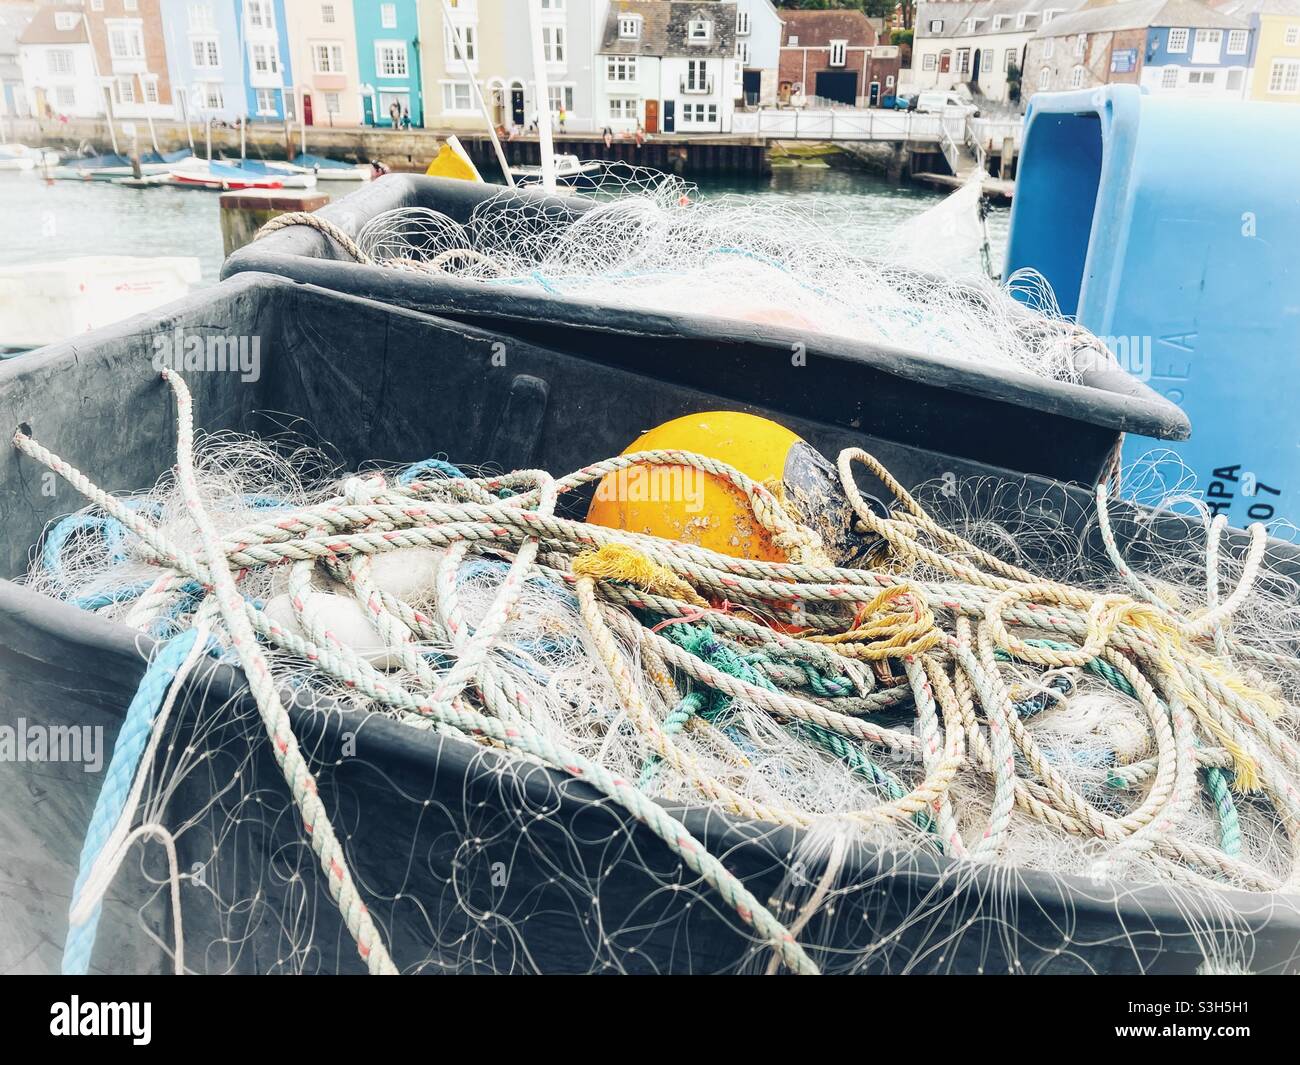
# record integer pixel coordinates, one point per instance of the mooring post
(244, 213)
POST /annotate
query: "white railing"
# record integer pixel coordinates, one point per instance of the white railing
(991, 132)
(840, 124)
(949, 148)
(973, 143)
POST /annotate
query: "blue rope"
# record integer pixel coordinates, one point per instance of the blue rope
(127, 752)
(412, 473)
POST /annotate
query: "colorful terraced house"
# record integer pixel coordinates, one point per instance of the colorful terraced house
(388, 62)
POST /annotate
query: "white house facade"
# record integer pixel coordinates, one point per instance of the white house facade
(976, 44)
(58, 64)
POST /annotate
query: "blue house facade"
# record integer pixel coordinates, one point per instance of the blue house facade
(204, 59)
(268, 74)
(1208, 60)
(388, 55)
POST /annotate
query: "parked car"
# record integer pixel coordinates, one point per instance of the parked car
(950, 104)
(896, 103)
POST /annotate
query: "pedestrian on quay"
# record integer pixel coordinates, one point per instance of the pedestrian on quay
(395, 113)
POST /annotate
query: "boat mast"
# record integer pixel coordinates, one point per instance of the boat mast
(543, 98)
(478, 93)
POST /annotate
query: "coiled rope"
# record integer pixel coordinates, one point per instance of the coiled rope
(948, 635)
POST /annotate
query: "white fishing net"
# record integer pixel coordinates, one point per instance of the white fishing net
(650, 242)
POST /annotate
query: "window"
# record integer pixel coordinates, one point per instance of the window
(125, 42)
(552, 5)
(629, 27)
(1235, 79)
(1177, 41)
(212, 97)
(553, 43)
(1284, 75)
(742, 52)
(936, 25)
(130, 5)
(927, 61)
(793, 41)
(697, 76)
(200, 18)
(699, 31)
(331, 103)
(124, 90)
(1293, 35)
(999, 21)
(65, 95)
(456, 96)
(1049, 46)
(621, 68)
(66, 20)
(1076, 78)
(889, 81)
(206, 51)
(327, 14)
(699, 113)
(623, 107)
(1207, 46)
(388, 16)
(390, 59)
(1081, 45)
(1045, 78)
(151, 91)
(1050, 14)
(58, 61)
(742, 22)
(96, 5)
(468, 40)
(1206, 76)
(1169, 78)
(327, 58)
(266, 59)
(963, 60)
(1009, 59)
(261, 16)
(1237, 42)
(266, 101)
(560, 96)
(839, 51)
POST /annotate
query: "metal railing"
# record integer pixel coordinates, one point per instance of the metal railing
(840, 124)
(697, 85)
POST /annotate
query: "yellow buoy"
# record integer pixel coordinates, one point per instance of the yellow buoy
(452, 161)
(687, 504)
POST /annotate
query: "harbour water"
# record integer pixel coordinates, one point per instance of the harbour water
(42, 221)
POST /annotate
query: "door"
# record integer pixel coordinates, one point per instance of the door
(670, 116)
(652, 116)
(875, 95)
(517, 106)
(945, 61)
(306, 109)
(839, 85)
(975, 70)
(752, 82)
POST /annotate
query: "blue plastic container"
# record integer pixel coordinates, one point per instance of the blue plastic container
(1171, 228)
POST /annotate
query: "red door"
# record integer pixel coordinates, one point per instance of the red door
(652, 116)
(306, 109)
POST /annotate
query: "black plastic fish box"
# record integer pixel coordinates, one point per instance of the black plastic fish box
(468, 860)
(1010, 419)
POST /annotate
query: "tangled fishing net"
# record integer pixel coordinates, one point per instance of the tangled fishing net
(646, 240)
(943, 701)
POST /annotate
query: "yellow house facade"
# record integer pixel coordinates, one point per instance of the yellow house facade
(499, 50)
(1277, 55)
(1275, 72)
